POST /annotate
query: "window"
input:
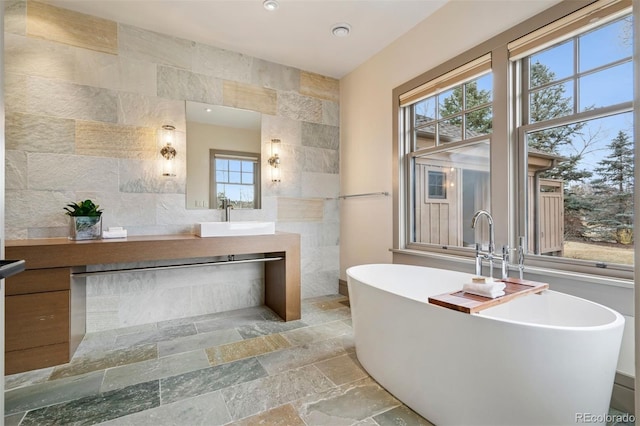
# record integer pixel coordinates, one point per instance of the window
(450, 126)
(437, 185)
(539, 132)
(578, 133)
(236, 177)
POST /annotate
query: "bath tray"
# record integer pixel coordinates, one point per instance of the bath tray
(471, 303)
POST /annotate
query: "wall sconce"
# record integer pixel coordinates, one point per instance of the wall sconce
(274, 160)
(167, 137)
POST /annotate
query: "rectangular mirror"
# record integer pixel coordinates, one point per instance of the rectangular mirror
(223, 156)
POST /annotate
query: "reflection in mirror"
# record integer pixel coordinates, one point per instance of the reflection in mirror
(223, 156)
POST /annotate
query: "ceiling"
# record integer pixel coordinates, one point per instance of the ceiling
(297, 34)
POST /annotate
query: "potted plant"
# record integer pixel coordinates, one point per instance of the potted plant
(86, 220)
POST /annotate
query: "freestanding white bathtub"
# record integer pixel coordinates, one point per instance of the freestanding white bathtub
(547, 359)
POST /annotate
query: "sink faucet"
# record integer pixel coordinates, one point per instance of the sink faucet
(489, 255)
(226, 206)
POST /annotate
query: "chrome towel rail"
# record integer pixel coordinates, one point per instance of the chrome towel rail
(366, 194)
(181, 266)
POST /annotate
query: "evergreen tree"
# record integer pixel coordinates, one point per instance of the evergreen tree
(613, 192)
(479, 121)
(547, 103)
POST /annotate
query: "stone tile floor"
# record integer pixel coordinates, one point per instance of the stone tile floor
(243, 367)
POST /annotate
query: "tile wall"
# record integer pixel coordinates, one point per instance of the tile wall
(85, 98)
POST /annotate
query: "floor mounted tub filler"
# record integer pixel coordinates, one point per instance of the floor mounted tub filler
(540, 359)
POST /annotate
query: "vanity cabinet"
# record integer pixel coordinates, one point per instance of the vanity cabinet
(39, 329)
(45, 315)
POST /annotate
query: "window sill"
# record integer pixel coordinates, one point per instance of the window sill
(546, 272)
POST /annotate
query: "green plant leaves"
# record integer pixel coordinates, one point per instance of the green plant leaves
(83, 208)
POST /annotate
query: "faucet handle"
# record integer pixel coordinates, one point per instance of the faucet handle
(521, 243)
(505, 261)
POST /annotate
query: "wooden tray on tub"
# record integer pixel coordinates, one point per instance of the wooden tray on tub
(471, 303)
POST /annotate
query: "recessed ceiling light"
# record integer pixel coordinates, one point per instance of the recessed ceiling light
(270, 5)
(341, 30)
(208, 109)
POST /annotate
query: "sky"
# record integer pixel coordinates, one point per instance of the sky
(596, 86)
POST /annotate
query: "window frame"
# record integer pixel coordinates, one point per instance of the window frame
(520, 69)
(237, 155)
(506, 149)
(440, 187)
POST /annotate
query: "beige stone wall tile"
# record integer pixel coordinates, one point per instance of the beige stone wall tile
(15, 92)
(28, 56)
(154, 47)
(299, 107)
(322, 160)
(330, 113)
(33, 208)
(319, 86)
(114, 72)
(61, 172)
(145, 176)
(15, 16)
(69, 27)
(68, 100)
(320, 185)
(240, 95)
(174, 83)
(36, 133)
(15, 170)
(222, 64)
(320, 136)
(149, 111)
(300, 209)
(115, 141)
(274, 76)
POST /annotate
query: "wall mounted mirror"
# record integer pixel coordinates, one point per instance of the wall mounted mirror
(223, 156)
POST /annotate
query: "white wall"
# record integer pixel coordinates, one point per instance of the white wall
(366, 113)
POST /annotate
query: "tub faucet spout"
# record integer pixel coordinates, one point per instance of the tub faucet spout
(489, 255)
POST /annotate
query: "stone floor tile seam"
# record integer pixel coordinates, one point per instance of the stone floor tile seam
(62, 401)
(237, 421)
(153, 325)
(399, 404)
(281, 373)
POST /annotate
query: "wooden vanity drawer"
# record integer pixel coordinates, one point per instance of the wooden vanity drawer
(38, 281)
(36, 358)
(39, 319)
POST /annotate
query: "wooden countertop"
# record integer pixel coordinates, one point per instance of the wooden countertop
(62, 252)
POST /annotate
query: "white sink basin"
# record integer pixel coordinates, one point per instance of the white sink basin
(229, 229)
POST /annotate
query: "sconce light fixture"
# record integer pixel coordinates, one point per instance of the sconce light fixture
(167, 137)
(274, 160)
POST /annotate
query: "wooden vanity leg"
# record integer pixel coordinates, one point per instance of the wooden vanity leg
(78, 314)
(282, 286)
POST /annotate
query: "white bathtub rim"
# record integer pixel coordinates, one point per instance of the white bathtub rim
(617, 322)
